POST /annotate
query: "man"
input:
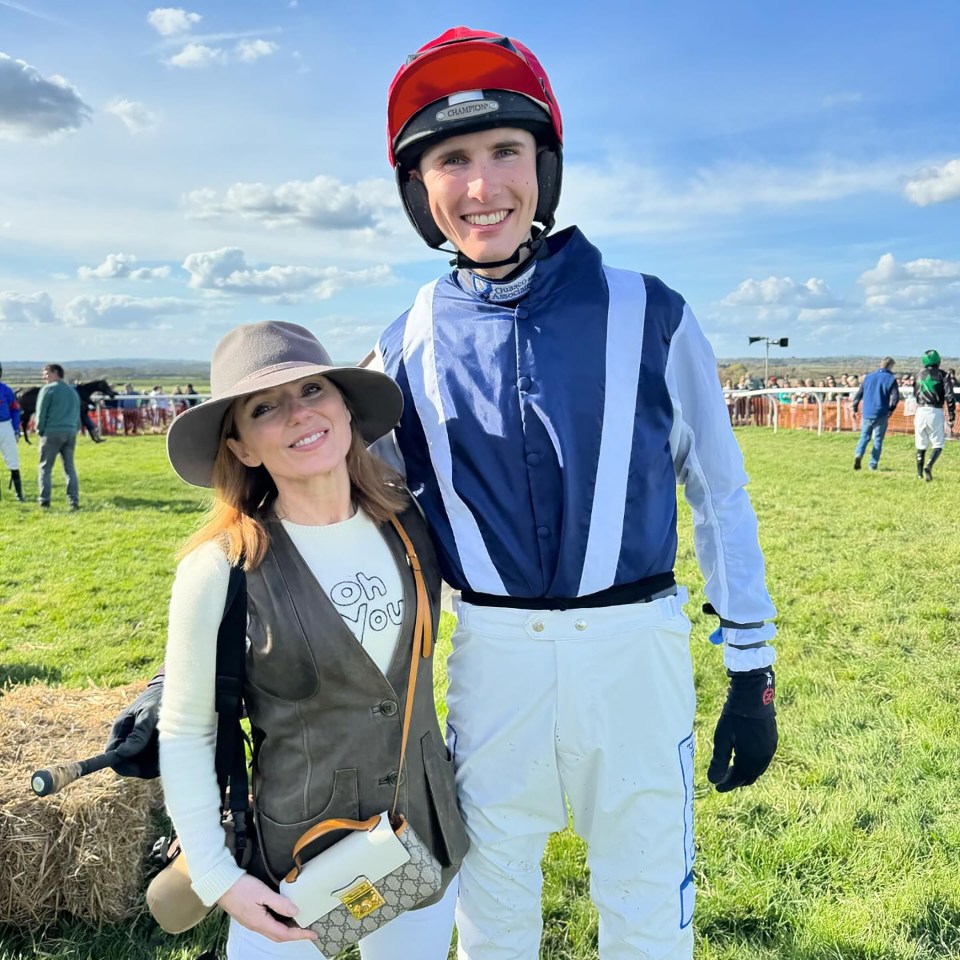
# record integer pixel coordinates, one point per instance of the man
(58, 420)
(130, 409)
(9, 434)
(880, 395)
(930, 391)
(552, 404)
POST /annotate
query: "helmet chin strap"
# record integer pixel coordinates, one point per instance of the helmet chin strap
(462, 262)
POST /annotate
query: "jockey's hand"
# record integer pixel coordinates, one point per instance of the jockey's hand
(746, 730)
(134, 734)
(247, 901)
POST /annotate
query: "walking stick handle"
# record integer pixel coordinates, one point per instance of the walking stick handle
(52, 779)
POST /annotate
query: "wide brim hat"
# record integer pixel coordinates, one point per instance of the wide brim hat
(259, 356)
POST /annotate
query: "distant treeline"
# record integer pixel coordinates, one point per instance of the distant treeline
(145, 374)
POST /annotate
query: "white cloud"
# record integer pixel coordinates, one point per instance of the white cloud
(116, 312)
(918, 285)
(135, 115)
(935, 184)
(119, 266)
(226, 270)
(250, 50)
(168, 21)
(323, 203)
(841, 99)
(34, 106)
(26, 307)
(196, 56)
(624, 198)
(813, 294)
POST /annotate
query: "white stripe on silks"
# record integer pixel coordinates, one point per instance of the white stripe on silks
(625, 321)
(420, 361)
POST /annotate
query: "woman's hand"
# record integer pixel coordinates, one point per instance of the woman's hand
(247, 901)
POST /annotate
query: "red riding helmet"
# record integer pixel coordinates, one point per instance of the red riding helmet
(461, 82)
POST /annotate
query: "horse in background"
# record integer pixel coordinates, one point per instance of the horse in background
(28, 400)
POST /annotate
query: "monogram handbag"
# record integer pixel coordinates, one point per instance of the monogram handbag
(382, 868)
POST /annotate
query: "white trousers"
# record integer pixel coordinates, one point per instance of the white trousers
(8, 446)
(416, 935)
(928, 428)
(595, 706)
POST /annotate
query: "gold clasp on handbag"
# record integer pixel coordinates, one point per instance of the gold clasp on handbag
(362, 900)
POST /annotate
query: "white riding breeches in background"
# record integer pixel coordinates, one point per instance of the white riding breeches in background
(595, 706)
(928, 428)
(416, 935)
(8, 446)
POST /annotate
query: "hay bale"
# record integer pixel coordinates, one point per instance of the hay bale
(80, 851)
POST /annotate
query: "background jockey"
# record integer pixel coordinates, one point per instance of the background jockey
(9, 434)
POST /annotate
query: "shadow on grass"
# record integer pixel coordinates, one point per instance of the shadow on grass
(16, 673)
(71, 938)
(160, 504)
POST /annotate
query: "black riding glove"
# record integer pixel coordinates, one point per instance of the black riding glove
(747, 730)
(134, 734)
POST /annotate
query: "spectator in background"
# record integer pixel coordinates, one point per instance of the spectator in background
(159, 408)
(58, 420)
(130, 409)
(192, 399)
(179, 404)
(880, 395)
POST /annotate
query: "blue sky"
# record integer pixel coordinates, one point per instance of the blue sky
(169, 172)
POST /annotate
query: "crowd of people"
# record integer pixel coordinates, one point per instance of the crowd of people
(132, 411)
(798, 391)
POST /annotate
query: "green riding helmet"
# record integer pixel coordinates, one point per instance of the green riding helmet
(931, 359)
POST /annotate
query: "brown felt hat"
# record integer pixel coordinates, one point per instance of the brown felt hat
(258, 356)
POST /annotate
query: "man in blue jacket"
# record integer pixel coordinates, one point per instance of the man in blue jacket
(880, 395)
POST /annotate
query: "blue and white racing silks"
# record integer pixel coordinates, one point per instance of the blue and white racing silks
(9, 407)
(544, 439)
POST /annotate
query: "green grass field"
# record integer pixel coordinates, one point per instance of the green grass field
(849, 847)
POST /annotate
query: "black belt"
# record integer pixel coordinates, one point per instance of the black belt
(640, 591)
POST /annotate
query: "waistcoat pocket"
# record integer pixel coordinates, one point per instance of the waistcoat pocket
(277, 839)
(445, 813)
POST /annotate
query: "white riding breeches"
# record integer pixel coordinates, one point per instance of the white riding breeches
(928, 428)
(595, 706)
(8, 446)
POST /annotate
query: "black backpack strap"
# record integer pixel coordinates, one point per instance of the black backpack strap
(230, 758)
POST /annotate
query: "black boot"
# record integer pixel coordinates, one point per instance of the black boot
(928, 472)
(921, 456)
(17, 484)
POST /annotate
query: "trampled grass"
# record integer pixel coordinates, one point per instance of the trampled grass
(849, 847)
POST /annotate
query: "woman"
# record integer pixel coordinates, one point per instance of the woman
(331, 606)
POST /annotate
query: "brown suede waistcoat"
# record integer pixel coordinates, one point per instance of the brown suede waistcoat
(327, 722)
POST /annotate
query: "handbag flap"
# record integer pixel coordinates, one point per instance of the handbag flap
(364, 855)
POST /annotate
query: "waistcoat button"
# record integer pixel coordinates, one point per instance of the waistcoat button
(524, 383)
(388, 708)
(538, 626)
(581, 624)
